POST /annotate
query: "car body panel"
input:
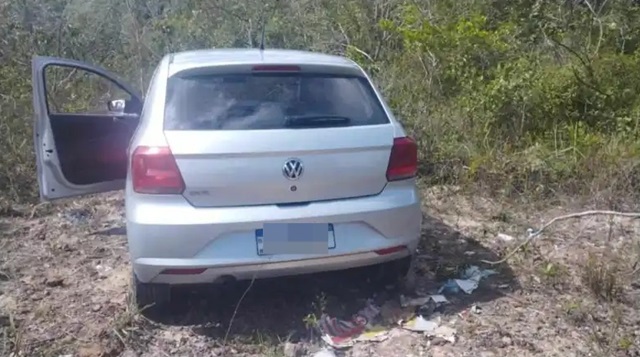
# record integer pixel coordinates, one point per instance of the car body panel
(190, 60)
(167, 230)
(235, 168)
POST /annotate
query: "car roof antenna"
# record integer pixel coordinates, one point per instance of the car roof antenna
(262, 33)
(264, 25)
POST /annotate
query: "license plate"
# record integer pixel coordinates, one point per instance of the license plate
(295, 238)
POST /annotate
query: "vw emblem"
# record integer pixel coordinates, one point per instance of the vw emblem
(292, 169)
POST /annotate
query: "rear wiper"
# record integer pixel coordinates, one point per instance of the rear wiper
(316, 120)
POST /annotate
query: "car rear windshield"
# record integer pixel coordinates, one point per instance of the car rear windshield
(260, 101)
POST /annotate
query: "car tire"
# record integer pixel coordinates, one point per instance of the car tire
(395, 272)
(150, 297)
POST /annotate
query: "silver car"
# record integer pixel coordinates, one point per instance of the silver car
(238, 164)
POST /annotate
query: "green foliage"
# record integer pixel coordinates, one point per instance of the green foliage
(522, 96)
(530, 111)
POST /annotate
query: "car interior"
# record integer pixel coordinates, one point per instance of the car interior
(92, 146)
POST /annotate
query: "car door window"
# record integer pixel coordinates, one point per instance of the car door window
(76, 91)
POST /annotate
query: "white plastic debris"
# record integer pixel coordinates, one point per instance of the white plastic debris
(420, 324)
(324, 353)
(468, 282)
(423, 300)
(505, 237)
(431, 328)
(446, 333)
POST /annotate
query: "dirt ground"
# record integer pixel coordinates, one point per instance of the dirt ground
(64, 289)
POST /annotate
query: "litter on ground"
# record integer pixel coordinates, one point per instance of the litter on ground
(343, 333)
(417, 314)
(420, 324)
(324, 353)
(505, 237)
(468, 282)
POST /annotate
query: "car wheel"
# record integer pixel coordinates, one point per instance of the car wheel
(150, 297)
(395, 272)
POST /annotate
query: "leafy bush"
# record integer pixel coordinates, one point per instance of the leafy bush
(520, 97)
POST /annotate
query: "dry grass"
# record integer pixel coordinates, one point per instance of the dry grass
(602, 277)
(65, 288)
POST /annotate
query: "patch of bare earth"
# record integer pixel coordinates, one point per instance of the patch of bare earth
(64, 289)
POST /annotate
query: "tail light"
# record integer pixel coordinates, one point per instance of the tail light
(154, 171)
(184, 271)
(403, 161)
(391, 250)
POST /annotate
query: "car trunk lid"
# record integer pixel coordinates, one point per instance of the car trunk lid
(277, 135)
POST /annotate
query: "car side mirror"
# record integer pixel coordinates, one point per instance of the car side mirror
(117, 106)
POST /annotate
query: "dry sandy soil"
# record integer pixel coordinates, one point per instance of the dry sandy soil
(64, 289)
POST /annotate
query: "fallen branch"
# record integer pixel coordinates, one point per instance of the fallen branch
(531, 234)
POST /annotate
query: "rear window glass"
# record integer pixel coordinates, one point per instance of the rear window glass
(255, 101)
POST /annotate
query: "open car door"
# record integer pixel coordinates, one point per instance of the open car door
(84, 118)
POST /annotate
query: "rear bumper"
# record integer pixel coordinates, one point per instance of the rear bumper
(268, 269)
(168, 233)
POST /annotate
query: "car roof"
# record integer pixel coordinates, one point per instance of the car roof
(211, 57)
